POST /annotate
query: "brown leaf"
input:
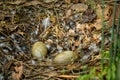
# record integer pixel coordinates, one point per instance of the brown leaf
(68, 13)
(116, 16)
(79, 7)
(20, 32)
(68, 1)
(98, 24)
(80, 27)
(107, 12)
(71, 32)
(77, 43)
(19, 71)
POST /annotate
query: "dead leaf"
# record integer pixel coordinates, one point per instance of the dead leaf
(89, 27)
(80, 27)
(107, 12)
(68, 1)
(20, 32)
(98, 24)
(79, 7)
(71, 32)
(68, 13)
(19, 71)
(77, 43)
(116, 16)
(96, 37)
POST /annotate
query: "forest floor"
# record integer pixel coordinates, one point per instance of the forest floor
(74, 25)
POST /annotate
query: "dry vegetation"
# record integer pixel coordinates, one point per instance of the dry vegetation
(72, 25)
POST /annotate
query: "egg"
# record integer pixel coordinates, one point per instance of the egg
(39, 50)
(65, 57)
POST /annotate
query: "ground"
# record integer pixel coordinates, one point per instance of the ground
(61, 25)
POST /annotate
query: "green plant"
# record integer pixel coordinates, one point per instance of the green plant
(91, 75)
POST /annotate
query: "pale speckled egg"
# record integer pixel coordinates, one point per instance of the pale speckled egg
(65, 57)
(39, 50)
